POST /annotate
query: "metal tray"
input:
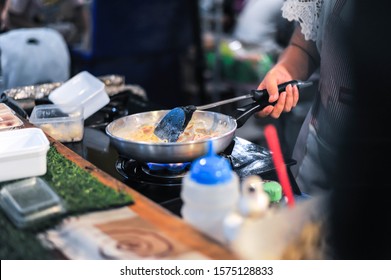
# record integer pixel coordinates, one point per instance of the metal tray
(27, 96)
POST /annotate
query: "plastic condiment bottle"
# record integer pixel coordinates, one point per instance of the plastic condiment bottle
(210, 190)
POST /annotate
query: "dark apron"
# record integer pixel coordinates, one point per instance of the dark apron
(327, 121)
(333, 106)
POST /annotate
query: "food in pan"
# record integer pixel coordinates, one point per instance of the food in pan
(196, 130)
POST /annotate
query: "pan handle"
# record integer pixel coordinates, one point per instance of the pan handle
(248, 110)
(261, 95)
(261, 98)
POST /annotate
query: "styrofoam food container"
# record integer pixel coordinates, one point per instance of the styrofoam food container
(23, 153)
(84, 89)
(63, 123)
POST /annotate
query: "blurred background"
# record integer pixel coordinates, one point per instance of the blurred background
(179, 52)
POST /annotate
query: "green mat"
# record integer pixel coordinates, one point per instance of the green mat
(81, 193)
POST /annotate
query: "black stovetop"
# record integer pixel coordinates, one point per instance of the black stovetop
(246, 159)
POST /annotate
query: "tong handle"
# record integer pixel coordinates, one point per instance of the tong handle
(223, 102)
(262, 95)
(261, 100)
(256, 94)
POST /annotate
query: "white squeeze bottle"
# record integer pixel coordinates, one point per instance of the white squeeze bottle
(210, 190)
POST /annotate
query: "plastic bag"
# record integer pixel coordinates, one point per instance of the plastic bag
(32, 56)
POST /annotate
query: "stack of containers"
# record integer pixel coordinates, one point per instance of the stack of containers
(83, 90)
(23, 152)
(23, 155)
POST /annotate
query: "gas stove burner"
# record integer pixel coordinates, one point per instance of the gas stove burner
(166, 170)
(139, 173)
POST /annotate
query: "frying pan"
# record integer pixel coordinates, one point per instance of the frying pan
(176, 152)
(223, 127)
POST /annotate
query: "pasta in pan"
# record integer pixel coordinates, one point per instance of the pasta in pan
(195, 130)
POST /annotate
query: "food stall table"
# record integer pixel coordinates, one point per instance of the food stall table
(143, 221)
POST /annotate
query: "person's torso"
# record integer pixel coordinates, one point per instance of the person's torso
(334, 105)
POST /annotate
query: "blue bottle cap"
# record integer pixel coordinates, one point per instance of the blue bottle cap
(211, 169)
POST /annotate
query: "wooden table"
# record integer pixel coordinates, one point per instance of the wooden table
(161, 219)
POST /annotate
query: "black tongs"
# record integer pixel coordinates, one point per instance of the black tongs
(176, 120)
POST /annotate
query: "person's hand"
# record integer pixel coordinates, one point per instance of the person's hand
(285, 100)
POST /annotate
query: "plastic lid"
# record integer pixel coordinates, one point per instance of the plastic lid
(211, 169)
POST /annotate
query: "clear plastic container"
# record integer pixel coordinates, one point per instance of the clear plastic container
(5, 108)
(8, 120)
(29, 201)
(210, 191)
(63, 123)
(23, 153)
(82, 89)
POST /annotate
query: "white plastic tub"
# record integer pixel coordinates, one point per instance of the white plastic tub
(82, 89)
(23, 153)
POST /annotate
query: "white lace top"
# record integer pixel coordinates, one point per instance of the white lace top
(311, 14)
(307, 13)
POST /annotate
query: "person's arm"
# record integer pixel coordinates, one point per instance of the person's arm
(297, 62)
(301, 57)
